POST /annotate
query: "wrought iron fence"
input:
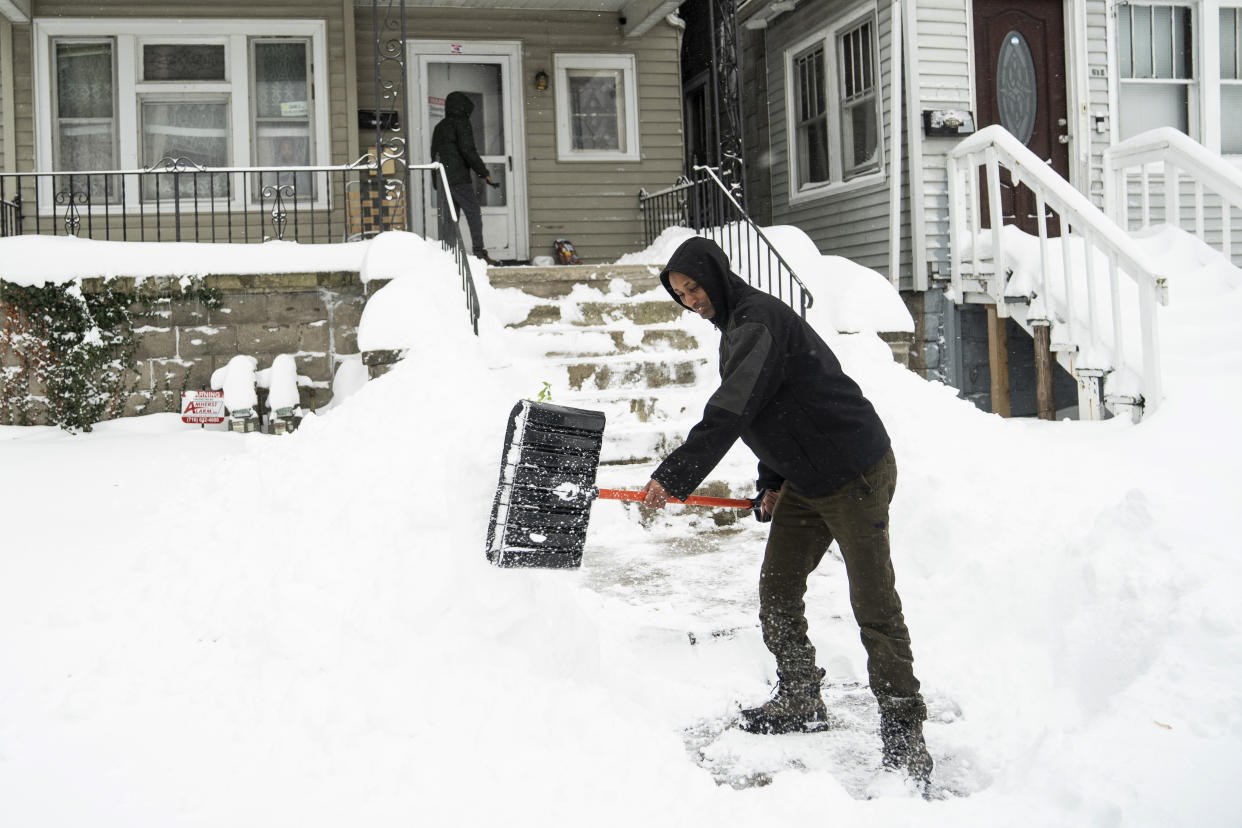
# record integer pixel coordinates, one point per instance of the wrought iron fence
(704, 204)
(178, 200)
(8, 218)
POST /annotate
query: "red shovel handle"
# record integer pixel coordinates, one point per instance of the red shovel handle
(692, 500)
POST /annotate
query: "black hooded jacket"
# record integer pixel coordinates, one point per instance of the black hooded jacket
(452, 141)
(782, 391)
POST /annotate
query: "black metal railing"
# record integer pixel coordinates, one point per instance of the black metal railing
(178, 200)
(449, 234)
(704, 204)
(8, 217)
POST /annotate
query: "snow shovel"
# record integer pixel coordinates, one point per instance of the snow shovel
(547, 484)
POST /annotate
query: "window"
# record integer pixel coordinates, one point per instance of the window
(1231, 81)
(1156, 64)
(812, 118)
(137, 93)
(833, 106)
(859, 101)
(596, 108)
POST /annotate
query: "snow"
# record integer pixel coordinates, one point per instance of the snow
(237, 380)
(39, 260)
(208, 628)
(281, 380)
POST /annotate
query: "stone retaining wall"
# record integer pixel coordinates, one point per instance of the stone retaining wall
(181, 341)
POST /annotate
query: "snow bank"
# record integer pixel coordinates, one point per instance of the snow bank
(38, 260)
(305, 631)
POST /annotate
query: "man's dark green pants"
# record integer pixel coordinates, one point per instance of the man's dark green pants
(856, 515)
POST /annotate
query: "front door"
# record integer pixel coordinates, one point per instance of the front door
(1020, 77)
(488, 73)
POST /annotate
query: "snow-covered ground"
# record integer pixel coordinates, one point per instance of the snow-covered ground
(200, 628)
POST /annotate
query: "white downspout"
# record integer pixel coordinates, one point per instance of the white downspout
(894, 182)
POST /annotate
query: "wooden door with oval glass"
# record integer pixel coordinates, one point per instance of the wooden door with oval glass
(1020, 79)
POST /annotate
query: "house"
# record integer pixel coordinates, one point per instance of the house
(577, 109)
(859, 156)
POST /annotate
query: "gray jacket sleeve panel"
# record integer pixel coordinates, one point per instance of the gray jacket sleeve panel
(749, 346)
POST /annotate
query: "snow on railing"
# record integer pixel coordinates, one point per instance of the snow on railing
(1165, 161)
(1057, 286)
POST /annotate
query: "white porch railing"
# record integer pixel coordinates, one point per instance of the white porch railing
(1067, 291)
(1151, 174)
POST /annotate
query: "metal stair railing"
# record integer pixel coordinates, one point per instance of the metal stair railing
(1183, 168)
(450, 239)
(1102, 334)
(706, 205)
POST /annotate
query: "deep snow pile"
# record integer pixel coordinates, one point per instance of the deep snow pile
(203, 628)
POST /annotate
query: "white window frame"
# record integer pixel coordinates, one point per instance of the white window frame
(829, 38)
(1213, 114)
(562, 62)
(128, 36)
(1195, 86)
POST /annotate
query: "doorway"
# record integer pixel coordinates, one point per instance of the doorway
(488, 73)
(1020, 78)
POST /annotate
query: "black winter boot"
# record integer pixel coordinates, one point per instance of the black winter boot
(796, 706)
(901, 730)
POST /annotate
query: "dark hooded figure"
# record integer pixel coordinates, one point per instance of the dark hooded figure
(826, 471)
(452, 144)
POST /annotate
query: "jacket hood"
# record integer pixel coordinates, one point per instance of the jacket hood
(457, 103)
(704, 262)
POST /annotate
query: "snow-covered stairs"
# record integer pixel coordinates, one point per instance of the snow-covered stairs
(610, 338)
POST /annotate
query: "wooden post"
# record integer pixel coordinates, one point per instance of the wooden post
(998, 361)
(1044, 401)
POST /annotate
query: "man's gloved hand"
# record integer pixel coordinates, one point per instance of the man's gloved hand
(766, 504)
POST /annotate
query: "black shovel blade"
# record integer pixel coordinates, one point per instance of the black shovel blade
(547, 483)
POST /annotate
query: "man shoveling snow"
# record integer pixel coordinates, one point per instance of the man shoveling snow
(826, 470)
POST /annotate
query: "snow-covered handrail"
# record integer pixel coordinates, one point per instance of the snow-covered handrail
(1170, 154)
(994, 147)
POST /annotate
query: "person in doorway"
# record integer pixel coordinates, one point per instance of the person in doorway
(452, 144)
(826, 471)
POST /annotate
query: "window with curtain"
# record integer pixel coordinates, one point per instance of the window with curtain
(1155, 54)
(281, 84)
(84, 126)
(209, 93)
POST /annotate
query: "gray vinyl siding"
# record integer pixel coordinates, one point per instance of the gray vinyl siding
(853, 223)
(594, 204)
(23, 101)
(943, 52)
(6, 96)
(1097, 96)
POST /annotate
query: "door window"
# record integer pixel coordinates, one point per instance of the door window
(1017, 93)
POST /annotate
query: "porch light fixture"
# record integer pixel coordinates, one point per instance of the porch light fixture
(541, 80)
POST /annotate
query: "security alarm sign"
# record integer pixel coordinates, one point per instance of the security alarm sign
(202, 407)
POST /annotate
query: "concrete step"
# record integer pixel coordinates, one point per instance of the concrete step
(597, 314)
(624, 372)
(556, 281)
(563, 340)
